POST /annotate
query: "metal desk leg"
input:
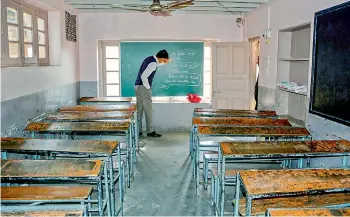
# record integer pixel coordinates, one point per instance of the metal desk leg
(132, 156)
(100, 196)
(222, 177)
(121, 181)
(300, 163)
(4, 155)
(248, 207)
(111, 180)
(197, 166)
(345, 161)
(108, 195)
(238, 187)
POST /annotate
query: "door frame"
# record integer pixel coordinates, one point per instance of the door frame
(252, 67)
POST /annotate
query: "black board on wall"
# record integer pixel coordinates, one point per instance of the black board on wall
(330, 84)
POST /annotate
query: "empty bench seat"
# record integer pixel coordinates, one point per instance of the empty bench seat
(30, 194)
(259, 206)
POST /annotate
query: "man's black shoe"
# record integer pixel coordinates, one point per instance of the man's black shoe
(140, 134)
(153, 134)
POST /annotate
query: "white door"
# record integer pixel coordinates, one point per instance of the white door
(230, 71)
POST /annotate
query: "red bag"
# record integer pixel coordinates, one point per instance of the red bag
(193, 98)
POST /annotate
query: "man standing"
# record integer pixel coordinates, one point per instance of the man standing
(143, 89)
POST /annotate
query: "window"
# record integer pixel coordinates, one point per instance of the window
(207, 71)
(110, 69)
(25, 38)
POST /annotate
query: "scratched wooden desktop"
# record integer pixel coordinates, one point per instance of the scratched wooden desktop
(105, 100)
(234, 121)
(98, 108)
(122, 125)
(37, 193)
(260, 184)
(65, 171)
(259, 206)
(224, 130)
(44, 213)
(88, 116)
(23, 145)
(309, 212)
(276, 150)
(233, 113)
(243, 121)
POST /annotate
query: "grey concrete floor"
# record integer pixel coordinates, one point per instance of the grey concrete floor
(163, 184)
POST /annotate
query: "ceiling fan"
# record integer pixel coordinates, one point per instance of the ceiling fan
(156, 8)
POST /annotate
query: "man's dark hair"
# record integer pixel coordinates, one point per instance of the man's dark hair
(163, 54)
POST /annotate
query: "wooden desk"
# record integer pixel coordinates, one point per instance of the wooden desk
(233, 121)
(105, 100)
(68, 170)
(52, 148)
(234, 111)
(271, 183)
(115, 128)
(120, 126)
(276, 150)
(98, 108)
(43, 213)
(80, 147)
(30, 194)
(309, 212)
(225, 130)
(274, 133)
(240, 121)
(88, 116)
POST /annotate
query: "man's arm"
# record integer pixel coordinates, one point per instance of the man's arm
(148, 71)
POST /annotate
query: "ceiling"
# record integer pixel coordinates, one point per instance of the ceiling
(226, 7)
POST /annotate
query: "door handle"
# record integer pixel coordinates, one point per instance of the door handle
(215, 91)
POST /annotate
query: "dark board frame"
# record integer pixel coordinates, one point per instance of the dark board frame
(314, 68)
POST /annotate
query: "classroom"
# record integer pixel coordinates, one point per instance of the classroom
(175, 108)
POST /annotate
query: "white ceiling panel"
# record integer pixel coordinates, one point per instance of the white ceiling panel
(228, 7)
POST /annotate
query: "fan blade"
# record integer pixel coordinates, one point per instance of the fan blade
(131, 7)
(181, 6)
(178, 3)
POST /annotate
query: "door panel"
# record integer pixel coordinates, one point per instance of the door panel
(231, 75)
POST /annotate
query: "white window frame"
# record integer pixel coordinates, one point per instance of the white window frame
(21, 61)
(103, 70)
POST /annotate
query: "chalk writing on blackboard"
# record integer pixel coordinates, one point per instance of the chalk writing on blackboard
(181, 79)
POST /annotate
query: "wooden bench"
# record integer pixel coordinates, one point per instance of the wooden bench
(285, 150)
(199, 112)
(64, 171)
(309, 212)
(261, 184)
(260, 206)
(98, 108)
(88, 116)
(105, 100)
(43, 195)
(273, 133)
(44, 213)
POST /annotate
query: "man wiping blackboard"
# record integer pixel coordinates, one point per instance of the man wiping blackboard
(143, 89)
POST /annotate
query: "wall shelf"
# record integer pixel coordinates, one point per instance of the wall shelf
(293, 59)
(293, 66)
(291, 91)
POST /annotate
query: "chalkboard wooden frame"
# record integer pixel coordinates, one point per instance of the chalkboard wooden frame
(314, 62)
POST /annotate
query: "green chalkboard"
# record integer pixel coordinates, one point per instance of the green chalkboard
(183, 75)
